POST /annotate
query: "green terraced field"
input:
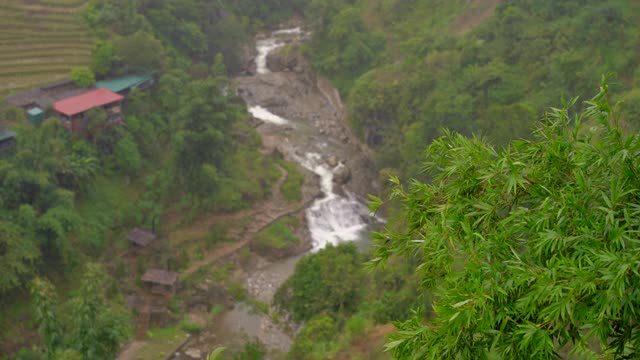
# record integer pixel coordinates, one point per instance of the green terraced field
(40, 41)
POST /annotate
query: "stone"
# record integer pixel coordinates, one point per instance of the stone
(341, 174)
(194, 353)
(332, 161)
(277, 61)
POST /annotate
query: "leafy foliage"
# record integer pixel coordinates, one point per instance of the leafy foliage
(102, 57)
(530, 251)
(82, 76)
(463, 67)
(95, 329)
(278, 236)
(140, 51)
(328, 280)
(17, 256)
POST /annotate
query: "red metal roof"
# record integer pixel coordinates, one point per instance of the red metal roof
(81, 103)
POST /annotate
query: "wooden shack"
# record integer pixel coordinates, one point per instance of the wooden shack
(7, 140)
(161, 282)
(141, 238)
(44, 96)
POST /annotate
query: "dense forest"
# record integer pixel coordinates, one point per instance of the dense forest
(516, 238)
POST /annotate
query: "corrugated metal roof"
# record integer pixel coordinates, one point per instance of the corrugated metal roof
(124, 83)
(81, 103)
(7, 134)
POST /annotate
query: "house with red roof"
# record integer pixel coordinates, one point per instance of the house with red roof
(73, 109)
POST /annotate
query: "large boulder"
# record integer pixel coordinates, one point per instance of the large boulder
(332, 161)
(341, 174)
(286, 58)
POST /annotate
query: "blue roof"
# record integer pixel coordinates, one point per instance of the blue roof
(124, 83)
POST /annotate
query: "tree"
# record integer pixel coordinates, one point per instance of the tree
(95, 329)
(126, 156)
(218, 69)
(531, 251)
(82, 76)
(46, 317)
(140, 51)
(18, 254)
(203, 143)
(329, 280)
(102, 57)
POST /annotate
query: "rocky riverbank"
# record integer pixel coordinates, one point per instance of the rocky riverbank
(301, 118)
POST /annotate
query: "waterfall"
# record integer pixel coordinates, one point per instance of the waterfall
(333, 218)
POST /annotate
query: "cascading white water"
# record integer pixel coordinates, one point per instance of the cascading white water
(333, 218)
(264, 48)
(263, 114)
(296, 31)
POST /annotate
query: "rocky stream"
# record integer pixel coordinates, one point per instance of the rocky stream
(302, 119)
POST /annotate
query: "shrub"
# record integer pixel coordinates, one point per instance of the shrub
(330, 280)
(191, 327)
(291, 189)
(82, 76)
(278, 236)
(216, 310)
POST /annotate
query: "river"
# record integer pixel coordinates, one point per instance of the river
(303, 120)
(337, 217)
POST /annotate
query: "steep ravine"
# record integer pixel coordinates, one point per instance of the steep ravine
(302, 118)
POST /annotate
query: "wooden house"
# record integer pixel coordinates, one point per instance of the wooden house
(161, 282)
(141, 238)
(73, 109)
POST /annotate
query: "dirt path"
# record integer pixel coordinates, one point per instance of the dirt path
(131, 350)
(480, 11)
(264, 214)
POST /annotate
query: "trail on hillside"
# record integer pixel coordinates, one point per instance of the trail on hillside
(263, 214)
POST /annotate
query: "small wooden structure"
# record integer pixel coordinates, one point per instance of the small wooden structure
(161, 282)
(7, 140)
(44, 96)
(141, 238)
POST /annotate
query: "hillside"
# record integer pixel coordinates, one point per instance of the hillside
(407, 69)
(40, 41)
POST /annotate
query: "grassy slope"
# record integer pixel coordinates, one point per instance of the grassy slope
(40, 41)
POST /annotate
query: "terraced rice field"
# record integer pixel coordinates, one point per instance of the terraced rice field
(40, 41)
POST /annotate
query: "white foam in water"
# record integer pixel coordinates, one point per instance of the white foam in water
(264, 48)
(332, 219)
(296, 30)
(265, 115)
